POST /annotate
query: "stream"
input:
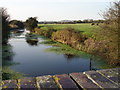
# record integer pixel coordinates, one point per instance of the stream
(30, 58)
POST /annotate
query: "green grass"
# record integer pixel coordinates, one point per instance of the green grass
(9, 74)
(85, 28)
(60, 48)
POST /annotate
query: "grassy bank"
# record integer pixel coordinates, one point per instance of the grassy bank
(81, 37)
(68, 52)
(85, 28)
(61, 48)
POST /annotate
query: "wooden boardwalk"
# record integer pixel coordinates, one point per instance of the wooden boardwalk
(100, 79)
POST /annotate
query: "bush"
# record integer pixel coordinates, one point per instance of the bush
(16, 24)
(44, 31)
(68, 36)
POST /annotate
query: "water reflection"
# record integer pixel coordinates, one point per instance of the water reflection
(31, 39)
(32, 42)
(7, 55)
(7, 61)
(69, 56)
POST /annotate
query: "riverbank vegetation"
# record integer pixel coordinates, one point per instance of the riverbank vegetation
(71, 53)
(7, 56)
(6, 49)
(109, 33)
(103, 41)
(5, 25)
(16, 24)
(9, 74)
(61, 48)
(80, 42)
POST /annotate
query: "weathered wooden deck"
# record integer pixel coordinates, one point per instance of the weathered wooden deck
(100, 79)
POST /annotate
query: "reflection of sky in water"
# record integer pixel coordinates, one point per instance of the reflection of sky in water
(35, 61)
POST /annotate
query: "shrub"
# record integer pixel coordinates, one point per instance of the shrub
(44, 31)
(16, 24)
(68, 36)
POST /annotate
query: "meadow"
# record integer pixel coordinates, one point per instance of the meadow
(84, 28)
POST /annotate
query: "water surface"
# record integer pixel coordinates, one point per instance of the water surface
(34, 61)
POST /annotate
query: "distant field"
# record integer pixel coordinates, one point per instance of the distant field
(85, 28)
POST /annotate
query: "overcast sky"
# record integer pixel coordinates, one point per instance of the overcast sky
(55, 10)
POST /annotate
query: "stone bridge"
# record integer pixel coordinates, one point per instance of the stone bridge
(100, 79)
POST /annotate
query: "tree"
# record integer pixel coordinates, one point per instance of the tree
(113, 13)
(111, 26)
(5, 25)
(31, 23)
(85, 21)
(109, 32)
(17, 24)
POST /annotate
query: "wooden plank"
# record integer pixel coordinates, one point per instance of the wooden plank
(112, 74)
(83, 81)
(9, 84)
(28, 82)
(45, 82)
(100, 80)
(65, 82)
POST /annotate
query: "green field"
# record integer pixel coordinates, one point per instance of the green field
(85, 28)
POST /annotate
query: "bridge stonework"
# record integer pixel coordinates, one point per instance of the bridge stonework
(100, 79)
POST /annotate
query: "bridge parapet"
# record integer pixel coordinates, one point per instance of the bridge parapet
(100, 79)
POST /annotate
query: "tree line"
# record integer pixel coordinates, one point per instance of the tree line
(73, 22)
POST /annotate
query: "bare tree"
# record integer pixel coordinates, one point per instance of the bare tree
(109, 32)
